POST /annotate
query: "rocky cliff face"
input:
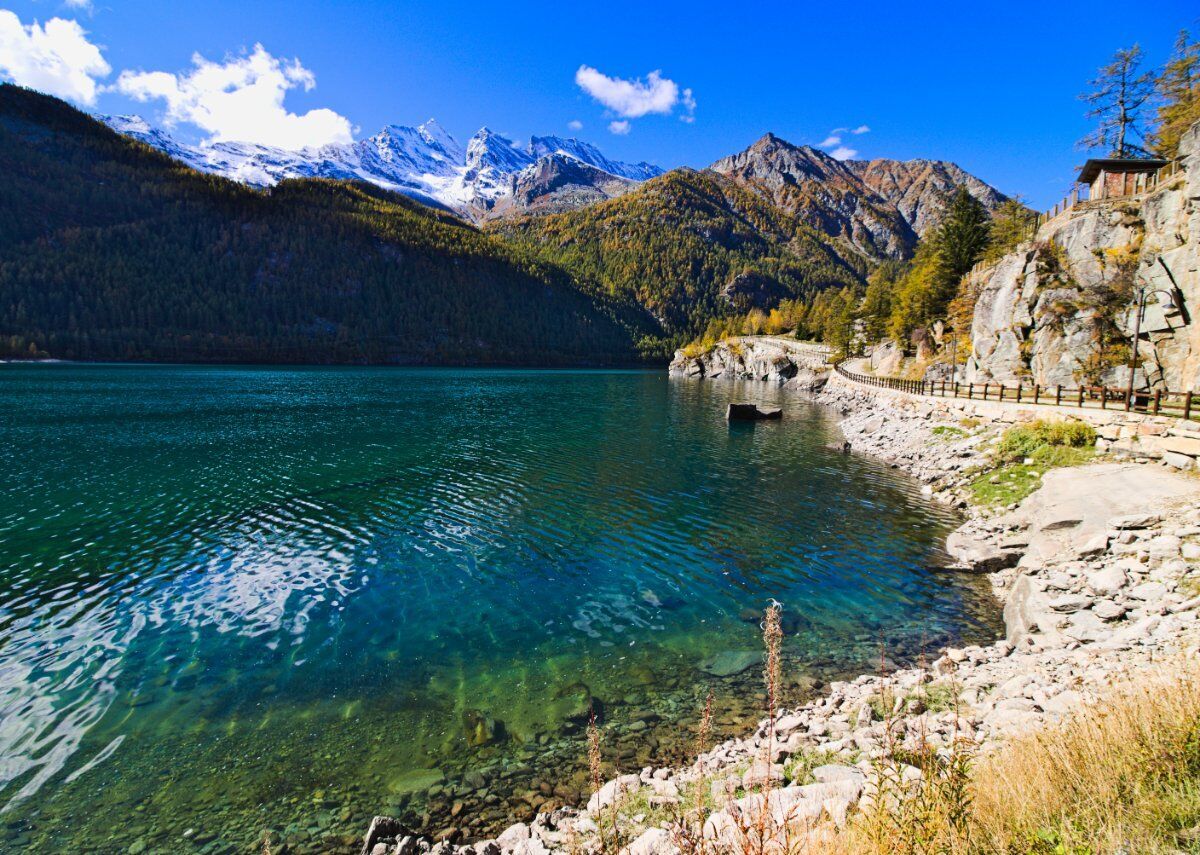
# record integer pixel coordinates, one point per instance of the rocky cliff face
(822, 192)
(921, 189)
(553, 184)
(1056, 310)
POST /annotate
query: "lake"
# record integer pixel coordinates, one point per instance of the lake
(246, 601)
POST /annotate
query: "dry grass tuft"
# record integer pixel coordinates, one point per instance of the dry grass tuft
(1123, 775)
(594, 758)
(1120, 776)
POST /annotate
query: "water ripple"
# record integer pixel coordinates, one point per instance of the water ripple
(195, 560)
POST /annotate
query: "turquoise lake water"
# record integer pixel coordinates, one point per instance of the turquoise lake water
(244, 601)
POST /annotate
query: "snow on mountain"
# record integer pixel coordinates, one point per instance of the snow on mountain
(424, 161)
(142, 131)
(488, 149)
(589, 154)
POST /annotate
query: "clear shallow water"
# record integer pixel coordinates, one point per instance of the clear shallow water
(238, 599)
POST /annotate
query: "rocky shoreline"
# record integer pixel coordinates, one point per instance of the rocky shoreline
(1099, 574)
(796, 365)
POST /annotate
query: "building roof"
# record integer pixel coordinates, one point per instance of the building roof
(1119, 164)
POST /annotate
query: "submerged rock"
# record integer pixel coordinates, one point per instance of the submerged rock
(481, 729)
(416, 781)
(978, 554)
(752, 412)
(730, 662)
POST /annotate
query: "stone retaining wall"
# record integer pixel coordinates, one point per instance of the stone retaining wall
(1123, 434)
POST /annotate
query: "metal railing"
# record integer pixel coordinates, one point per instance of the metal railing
(1160, 402)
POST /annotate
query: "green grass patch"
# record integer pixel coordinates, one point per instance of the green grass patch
(934, 697)
(798, 768)
(1046, 442)
(1006, 485)
(1045, 445)
(949, 432)
(939, 697)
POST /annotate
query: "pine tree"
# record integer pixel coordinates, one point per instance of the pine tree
(877, 303)
(962, 236)
(1119, 94)
(1010, 227)
(940, 263)
(1179, 93)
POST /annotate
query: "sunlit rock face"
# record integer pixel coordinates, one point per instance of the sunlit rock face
(1040, 316)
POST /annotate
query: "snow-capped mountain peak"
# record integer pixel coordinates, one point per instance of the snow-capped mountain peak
(589, 154)
(440, 139)
(490, 149)
(422, 150)
(425, 161)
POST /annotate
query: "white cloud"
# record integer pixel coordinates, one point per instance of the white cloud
(632, 99)
(834, 141)
(575, 125)
(56, 58)
(83, 5)
(240, 100)
(620, 128)
(689, 107)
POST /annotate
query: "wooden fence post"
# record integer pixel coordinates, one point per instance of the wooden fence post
(1187, 405)
(1157, 400)
(1058, 395)
(1037, 392)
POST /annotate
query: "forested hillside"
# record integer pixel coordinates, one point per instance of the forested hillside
(111, 250)
(689, 246)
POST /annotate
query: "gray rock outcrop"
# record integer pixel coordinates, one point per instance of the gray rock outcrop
(769, 358)
(1043, 311)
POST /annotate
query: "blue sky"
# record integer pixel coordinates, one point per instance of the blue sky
(993, 89)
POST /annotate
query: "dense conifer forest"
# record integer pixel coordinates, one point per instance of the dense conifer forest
(690, 246)
(111, 250)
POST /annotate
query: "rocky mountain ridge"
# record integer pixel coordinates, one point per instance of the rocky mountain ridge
(877, 208)
(689, 246)
(920, 188)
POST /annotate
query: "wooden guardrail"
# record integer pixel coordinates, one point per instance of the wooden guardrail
(1160, 402)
